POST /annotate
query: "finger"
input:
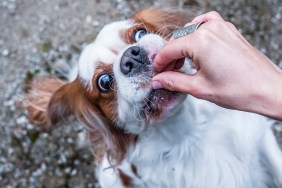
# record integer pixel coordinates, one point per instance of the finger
(174, 81)
(213, 15)
(175, 49)
(175, 65)
(170, 66)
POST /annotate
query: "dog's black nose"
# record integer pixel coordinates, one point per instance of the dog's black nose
(133, 61)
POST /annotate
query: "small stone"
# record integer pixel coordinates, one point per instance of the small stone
(56, 7)
(88, 19)
(96, 23)
(21, 120)
(67, 170)
(5, 52)
(9, 103)
(12, 7)
(73, 172)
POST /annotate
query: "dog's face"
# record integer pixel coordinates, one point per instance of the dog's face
(112, 91)
(118, 67)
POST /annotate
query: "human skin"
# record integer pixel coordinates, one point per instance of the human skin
(230, 71)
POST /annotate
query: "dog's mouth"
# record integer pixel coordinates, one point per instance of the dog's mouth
(159, 102)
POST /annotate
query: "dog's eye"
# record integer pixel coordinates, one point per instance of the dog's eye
(105, 82)
(139, 34)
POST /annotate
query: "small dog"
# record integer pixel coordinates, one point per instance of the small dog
(155, 138)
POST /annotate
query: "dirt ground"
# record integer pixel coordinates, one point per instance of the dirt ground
(45, 37)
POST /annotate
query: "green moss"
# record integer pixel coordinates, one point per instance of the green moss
(15, 142)
(46, 46)
(68, 57)
(33, 136)
(48, 68)
(90, 38)
(190, 3)
(29, 77)
(75, 48)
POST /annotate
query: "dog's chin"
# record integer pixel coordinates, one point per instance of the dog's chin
(162, 104)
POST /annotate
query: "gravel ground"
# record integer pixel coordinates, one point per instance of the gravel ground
(45, 37)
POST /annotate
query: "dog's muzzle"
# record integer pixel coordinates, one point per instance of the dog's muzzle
(134, 61)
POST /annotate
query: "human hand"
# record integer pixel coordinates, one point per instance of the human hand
(231, 72)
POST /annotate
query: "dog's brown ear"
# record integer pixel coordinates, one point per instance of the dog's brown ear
(38, 98)
(50, 101)
(62, 102)
(58, 107)
(163, 21)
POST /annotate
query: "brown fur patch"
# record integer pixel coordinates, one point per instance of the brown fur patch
(64, 101)
(162, 22)
(38, 98)
(134, 170)
(128, 34)
(125, 179)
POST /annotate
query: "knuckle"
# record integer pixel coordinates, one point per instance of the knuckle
(231, 25)
(214, 13)
(204, 38)
(170, 84)
(218, 24)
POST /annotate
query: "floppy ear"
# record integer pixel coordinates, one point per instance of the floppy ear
(62, 102)
(50, 101)
(163, 21)
(37, 100)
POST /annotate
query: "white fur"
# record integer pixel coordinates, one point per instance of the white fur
(102, 50)
(197, 144)
(206, 146)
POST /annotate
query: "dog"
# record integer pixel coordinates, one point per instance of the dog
(142, 137)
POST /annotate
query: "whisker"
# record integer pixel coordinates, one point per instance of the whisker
(136, 111)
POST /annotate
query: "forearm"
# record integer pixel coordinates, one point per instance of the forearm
(269, 102)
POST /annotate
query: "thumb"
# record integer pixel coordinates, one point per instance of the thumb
(174, 81)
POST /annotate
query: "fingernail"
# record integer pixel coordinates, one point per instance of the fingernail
(156, 85)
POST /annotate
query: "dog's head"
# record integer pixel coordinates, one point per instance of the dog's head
(112, 93)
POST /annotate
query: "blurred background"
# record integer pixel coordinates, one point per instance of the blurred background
(45, 37)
